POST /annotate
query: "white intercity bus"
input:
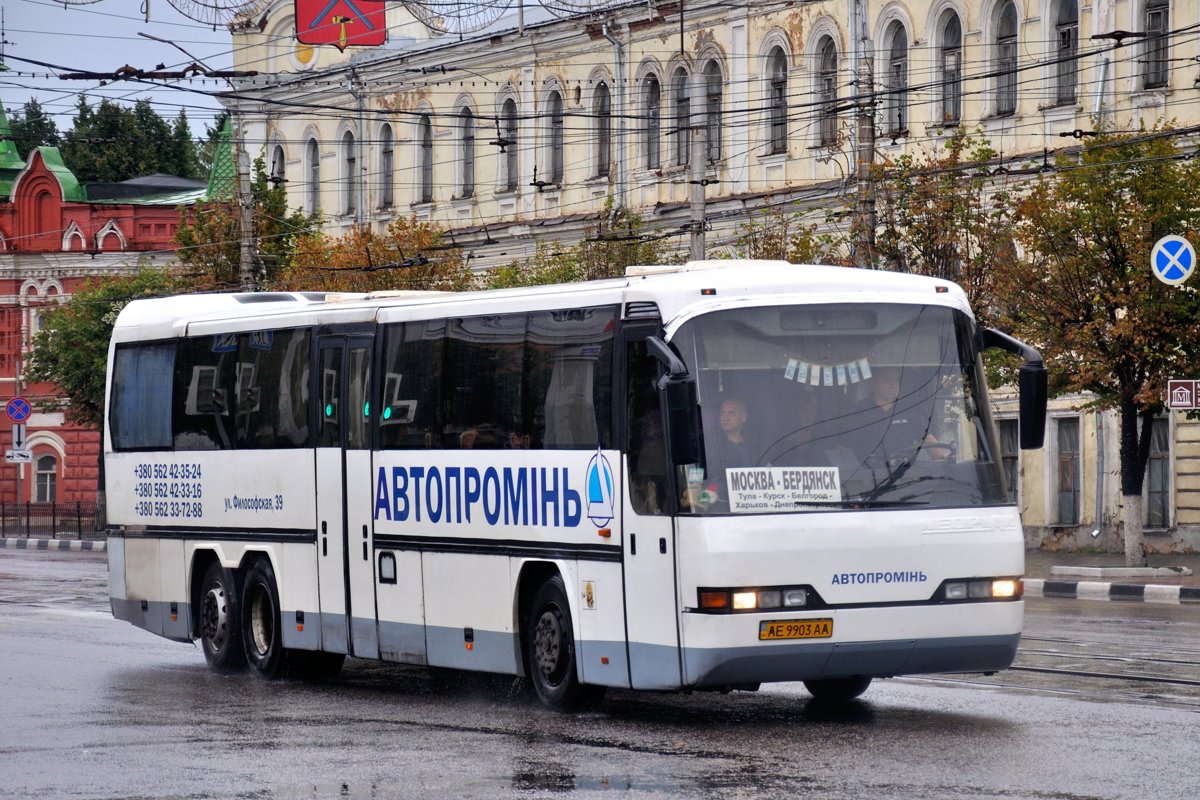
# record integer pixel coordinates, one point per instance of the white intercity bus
(708, 476)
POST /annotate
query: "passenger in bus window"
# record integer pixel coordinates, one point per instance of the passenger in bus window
(900, 422)
(468, 438)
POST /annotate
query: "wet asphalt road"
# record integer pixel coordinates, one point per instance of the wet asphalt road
(1104, 705)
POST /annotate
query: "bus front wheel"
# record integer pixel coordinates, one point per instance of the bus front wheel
(261, 622)
(834, 689)
(550, 649)
(220, 621)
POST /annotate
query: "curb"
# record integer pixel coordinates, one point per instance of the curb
(55, 544)
(1100, 590)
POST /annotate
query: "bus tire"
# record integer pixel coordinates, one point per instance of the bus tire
(220, 621)
(833, 689)
(261, 629)
(550, 651)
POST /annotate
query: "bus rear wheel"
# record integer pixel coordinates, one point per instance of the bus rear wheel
(550, 651)
(261, 622)
(834, 689)
(220, 621)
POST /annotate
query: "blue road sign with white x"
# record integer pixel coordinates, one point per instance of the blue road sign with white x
(1173, 259)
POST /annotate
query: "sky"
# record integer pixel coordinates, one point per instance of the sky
(102, 36)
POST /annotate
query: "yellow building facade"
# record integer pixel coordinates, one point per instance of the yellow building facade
(700, 117)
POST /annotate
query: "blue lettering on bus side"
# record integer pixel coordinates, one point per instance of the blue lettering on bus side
(849, 578)
(540, 496)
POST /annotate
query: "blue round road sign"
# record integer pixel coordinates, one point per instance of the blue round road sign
(1173, 259)
(18, 409)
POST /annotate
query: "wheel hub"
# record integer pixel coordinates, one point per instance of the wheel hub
(214, 617)
(547, 640)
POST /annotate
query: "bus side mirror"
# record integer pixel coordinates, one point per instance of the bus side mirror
(1031, 382)
(683, 428)
(683, 410)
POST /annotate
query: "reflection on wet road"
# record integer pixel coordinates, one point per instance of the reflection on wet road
(96, 708)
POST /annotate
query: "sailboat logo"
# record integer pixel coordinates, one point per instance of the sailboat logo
(599, 490)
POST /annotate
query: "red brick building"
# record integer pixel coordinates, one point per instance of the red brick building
(54, 233)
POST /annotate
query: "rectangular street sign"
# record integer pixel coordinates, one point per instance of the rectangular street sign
(18, 439)
(1183, 394)
(18, 456)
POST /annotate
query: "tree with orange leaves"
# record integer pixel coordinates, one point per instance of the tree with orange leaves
(410, 255)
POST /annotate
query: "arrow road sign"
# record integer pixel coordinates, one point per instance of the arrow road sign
(19, 436)
(1173, 259)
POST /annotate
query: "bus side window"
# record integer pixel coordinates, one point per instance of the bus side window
(483, 375)
(272, 389)
(202, 399)
(645, 448)
(568, 378)
(141, 379)
(412, 411)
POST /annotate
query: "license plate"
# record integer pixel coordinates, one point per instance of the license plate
(795, 629)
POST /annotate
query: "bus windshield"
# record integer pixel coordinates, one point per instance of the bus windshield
(838, 406)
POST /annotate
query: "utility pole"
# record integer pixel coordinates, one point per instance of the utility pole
(864, 240)
(245, 200)
(864, 150)
(697, 157)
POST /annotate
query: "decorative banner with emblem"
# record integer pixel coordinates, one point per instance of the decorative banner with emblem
(341, 23)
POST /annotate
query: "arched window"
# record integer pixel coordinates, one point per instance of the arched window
(313, 157)
(46, 479)
(828, 89)
(509, 145)
(425, 158)
(1067, 53)
(777, 99)
(466, 139)
(951, 68)
(387, 167)
(652, 110)
(278, 164)
(1155, 69)
(554, 139)
(683, 112)
(602, 117)
(897, 80)
(350, 179)
(1006, 59)
(714, 86)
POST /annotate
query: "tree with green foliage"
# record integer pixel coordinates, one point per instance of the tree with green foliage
(1085, 294)
(210, 234)
(782, 235)
(206, 151)
(617, 240)
(113, 143)
(33, 127)
(942, 214)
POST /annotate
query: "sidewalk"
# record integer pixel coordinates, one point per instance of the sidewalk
(1101, 576)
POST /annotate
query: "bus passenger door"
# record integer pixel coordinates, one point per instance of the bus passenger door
(344, 493)
(648, 535)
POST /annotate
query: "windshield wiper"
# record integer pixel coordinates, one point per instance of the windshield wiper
(859, 503)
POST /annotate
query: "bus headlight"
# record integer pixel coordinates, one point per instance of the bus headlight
(982, 589)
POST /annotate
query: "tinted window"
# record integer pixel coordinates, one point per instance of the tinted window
(271, 389)
(140, 385)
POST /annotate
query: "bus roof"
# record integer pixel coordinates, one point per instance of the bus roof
(679, 293)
